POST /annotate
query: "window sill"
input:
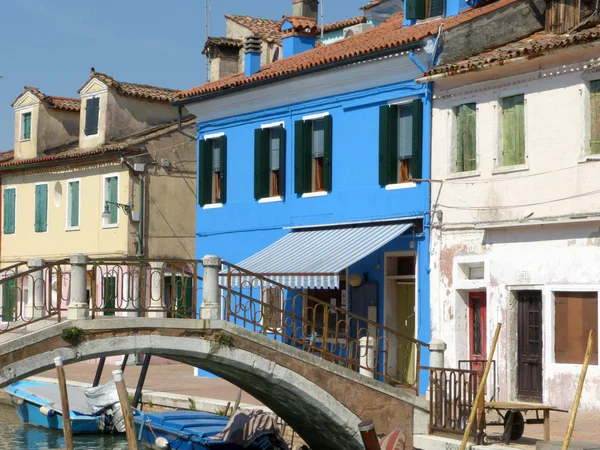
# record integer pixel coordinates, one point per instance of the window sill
(590, 158)
(25, 140)
(397, 186)
(271, 199)
(72, 229)
(213, 206)
(510, 169)
(90, 136)
(315, 194)
(110, 225)
(466, 174)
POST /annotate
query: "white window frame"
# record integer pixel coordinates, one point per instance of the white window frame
(267, 126)
(83, 105)
(586, 113)
(21, 122)
(499, 132)
(4, 188)
(105, 223)
(47, 207)
(68, 226)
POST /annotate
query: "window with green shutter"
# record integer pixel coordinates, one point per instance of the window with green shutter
(73, 205)
(269, 162)
(26, 126)
(313, 155)
(595, 117)
(9, 199)
(400, 142)
(513, 130)
(92, 114)
(111, 195)
(466, 138)
(41, 208)
(109, 295)
(423, 9)
(212, 171)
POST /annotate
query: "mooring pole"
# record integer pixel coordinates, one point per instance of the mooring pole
(126, 409)
(64, 400)
(141, 381)
(368, 435)
(99, 370)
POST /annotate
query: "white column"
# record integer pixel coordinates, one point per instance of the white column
(437, 347)
(211, 298)
(157, 297)
(35, 306)
(78, 303)
(367, 356)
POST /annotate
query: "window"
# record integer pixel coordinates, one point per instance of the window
(92, 112)
(73, 205)
(272, 308)
(9, 199)
(513, 130)
(109, 295)
(269, 162)
(213, 171)
(26, 126)
(424, 9)
(400, 142)
(313, 154)
(41, 208)
(111, 195)
(595, 117)
(466, 138)
(575, 314)
(179, 297)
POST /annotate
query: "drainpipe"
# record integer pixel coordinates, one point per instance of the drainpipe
(414, 59)
(180, 128)
(140, 250)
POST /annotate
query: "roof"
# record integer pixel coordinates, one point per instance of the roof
(266, 29)
(222, 41)
(329, 27)
(63, 103)
(71, 151)
(7, 156)
(303, 25)
(133, 89)
(373, 4)
(389, 35)
(530, 47)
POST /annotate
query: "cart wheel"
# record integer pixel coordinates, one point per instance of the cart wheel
(518, 424)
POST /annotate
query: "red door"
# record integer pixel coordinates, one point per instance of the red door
(477, 329)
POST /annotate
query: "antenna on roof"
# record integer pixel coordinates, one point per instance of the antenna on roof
(208, 20)
(322, 19)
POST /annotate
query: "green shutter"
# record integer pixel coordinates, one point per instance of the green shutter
(92, 110)
(27, 126)
(417, 149)
(415, 9)
(299, 157)
(9, 210)
(41, 208)
(282, 149)
(9, 301)
(109, 294)
(595, 117)
(223, 174)
(466, 138)
(328, 156)
(261, 163)
(113, 198)
(513, 135)
(436, 8)
(204, 173)
(388, 145)
(74, 219)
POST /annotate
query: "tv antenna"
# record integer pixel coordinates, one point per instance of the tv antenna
(207, 32)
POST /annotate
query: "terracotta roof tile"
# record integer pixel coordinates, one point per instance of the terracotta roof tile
(222, 42)
(531, 46)
(63, 103)
(373, 4)
(266, 29)
(329, 27)
(304, 25)
(134, 89)
(7, 156)
(388, 35)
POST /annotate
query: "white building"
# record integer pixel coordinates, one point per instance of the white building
(516, 201)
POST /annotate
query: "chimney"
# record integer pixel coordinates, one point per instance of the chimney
(252, 46)
(305, 8)
(299, 34)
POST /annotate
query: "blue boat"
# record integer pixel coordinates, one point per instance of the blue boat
(38, 403)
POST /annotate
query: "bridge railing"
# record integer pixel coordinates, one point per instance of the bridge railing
(329, 331)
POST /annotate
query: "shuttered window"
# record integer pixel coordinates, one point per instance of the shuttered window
(423, 9)
(313, 147)
(41, 208)
(109, 295)
(400, 142)
(466, 138)
(269, 162)
(26, 126)
(513, 130)
(9, 199)
(73, 204)
(212, 171)
(111, 195)
(595, 117)
(92, 112)
(575, 314)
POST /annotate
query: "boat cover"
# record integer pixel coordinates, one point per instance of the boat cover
(244, 428)
(49, 394)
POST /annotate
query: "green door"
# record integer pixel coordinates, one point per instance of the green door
(405, 297)
(109, 295)
(9, 301)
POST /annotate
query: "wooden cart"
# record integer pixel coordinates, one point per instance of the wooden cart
(514, 420)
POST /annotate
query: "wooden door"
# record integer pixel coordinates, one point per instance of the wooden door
(9, 301)
(405, 297)
(530, 345)
(477, 329)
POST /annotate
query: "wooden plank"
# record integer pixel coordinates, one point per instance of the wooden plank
(522, 406)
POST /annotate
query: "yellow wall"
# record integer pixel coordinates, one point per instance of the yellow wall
(27, 148)
(92, 238)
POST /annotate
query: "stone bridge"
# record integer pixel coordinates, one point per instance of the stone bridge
(322, 401)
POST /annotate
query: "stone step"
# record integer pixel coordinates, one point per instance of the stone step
(573, 445)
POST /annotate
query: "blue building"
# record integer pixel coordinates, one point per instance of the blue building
(314, 170)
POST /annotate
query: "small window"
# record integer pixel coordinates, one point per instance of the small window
(424, 9)
(73, 205)
(9, 200)
(400, 142)
(213, 171)
(92, 113)
(269, 162)
(109, 295)
(595, 117)
(513, 130)
(272, 308)
(178, 297)
(41, 208)
(465, 158)
(26, 126)
(111, 199)
(575, 314)
(313, 155)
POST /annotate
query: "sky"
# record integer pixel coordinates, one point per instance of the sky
(52, 44)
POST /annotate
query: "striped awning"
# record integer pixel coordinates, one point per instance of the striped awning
(314, 258)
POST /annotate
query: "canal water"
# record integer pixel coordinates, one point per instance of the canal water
(15, 435)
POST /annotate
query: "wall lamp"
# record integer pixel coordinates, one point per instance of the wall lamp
(125, 207)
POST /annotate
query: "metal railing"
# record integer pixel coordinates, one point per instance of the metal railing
(331, 332)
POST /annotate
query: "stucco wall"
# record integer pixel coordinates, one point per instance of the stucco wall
(26, 148)
(235, 31)
(56, 127)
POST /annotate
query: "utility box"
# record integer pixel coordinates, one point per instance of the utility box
(135, 216)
